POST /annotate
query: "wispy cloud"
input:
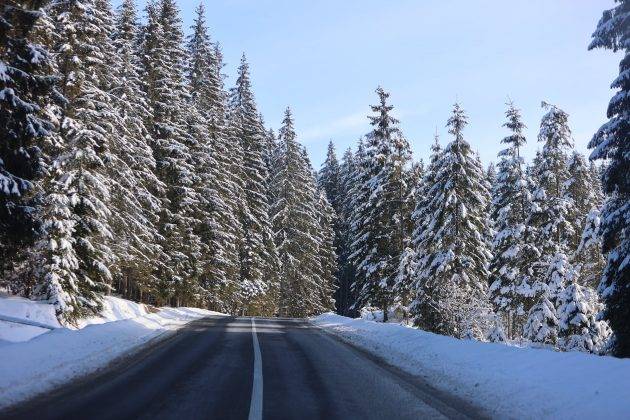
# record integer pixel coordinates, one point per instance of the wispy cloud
(329, 129)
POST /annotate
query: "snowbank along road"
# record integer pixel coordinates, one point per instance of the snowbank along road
(247, 368)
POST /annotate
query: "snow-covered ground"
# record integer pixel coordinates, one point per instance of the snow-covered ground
(34, 359)
(507, 381)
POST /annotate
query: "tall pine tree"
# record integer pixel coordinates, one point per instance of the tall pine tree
(611, 143)
(451, 289)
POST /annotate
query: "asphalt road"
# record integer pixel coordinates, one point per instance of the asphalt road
(217, 368)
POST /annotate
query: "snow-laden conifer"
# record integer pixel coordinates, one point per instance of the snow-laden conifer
(258, 254)
(611, 143)
(26, 86)
(164, 68)
(75, 253)
(137, 188)
(452, 282)
(550, 216)
(384, 217)
(296, 227)
(510, 279)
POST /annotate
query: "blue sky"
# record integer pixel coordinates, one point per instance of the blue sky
(325, 58)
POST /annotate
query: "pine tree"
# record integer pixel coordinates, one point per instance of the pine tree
(542, 322)
(26, 85)
(136, 190)
(408, 260)
(582, 189)
(343, 296)
(579, 326)
(384, 215)
(510, 285)
(296, 227)
(588, 257)
(330, 182)
(421, 215)
(326, 250)
(74, 247)
(551, 211)
(451, 289)
(328, 179)
(611, 144)
(217, 226)
(258, 254)
(167, 92)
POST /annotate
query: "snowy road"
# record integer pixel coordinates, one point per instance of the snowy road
(238, 368)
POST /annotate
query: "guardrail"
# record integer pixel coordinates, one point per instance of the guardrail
(27, 322)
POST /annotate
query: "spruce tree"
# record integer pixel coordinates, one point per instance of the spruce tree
(330, 182)
(26, 86)
(579, 326)
(216, 226)
(611, 144)
(451, 289)
(510, 285)
(550, 216)
(384, 215)
(258, 254)
(346, 277)
(164, 69)
(136, 187)
(588, 258)
(410, 260)
(403, 285)
(326, 250)
(328, 179)
(296, 227)
(583, 190)
(74, 247)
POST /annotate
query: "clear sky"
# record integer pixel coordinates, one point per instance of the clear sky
(325, 58)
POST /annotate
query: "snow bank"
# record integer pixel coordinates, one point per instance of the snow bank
(20, 308)
(506, 381)
(53, 357)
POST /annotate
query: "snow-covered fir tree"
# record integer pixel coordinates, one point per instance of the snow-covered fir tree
(326, 250)
(74, 253)
(217, 226)
(413, 253)
(346, 273)
(259, 259)
(588, 258)
(451, 287)
(329, 178)
(26, 86)
(403, 284)
(296, 227)
(578, 323)
(611, 143)
(383, 219)
(136, 190)
(164, 69)
(510, 273)
(584, 191)
(330, 182)
(550, 216)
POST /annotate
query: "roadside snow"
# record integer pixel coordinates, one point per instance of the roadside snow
(25, 309)
(34, 360)
(506, 381)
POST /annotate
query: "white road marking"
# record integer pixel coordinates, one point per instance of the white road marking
(256, 405)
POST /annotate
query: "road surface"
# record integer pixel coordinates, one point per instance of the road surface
(247, 368)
